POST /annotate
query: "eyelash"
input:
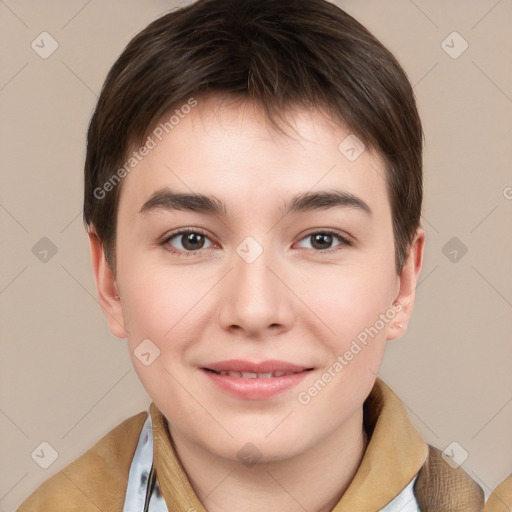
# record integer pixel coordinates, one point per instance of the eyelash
(342, 239)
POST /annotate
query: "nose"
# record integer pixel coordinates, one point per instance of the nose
(256, 300)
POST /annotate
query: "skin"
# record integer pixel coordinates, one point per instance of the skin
(293, 303)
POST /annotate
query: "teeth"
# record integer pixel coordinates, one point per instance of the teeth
(251, 375)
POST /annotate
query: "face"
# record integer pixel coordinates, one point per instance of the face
(288, 267)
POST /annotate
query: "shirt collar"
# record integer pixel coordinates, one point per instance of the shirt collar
(393, 457)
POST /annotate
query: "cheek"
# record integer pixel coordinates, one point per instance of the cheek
(347, 300)
(145, 293)
(165, 305)
(157, 312)
(155, 309)
(353, 308)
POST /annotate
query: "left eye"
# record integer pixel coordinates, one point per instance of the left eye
(322, 238)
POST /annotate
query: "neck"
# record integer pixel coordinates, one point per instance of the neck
(313, 480)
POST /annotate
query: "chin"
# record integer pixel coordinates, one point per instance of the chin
(258, 447)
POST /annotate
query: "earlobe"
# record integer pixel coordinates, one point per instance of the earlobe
(404, 303)
(106, 287)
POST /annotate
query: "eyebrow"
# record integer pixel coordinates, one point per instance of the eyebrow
(169, 200)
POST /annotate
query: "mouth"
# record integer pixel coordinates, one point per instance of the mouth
(252, 375)
(255, 381)
(249, 370)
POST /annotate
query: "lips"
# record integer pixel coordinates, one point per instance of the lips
(255, 381)
(251, 375)
(247, 369)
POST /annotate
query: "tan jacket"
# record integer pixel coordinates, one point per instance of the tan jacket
(395, 454)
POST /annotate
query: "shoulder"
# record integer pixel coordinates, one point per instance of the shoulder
(442, 486)
(94, 481)
(501, 498)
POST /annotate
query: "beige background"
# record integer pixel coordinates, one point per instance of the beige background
(67, 381)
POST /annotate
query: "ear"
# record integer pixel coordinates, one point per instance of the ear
(106, 287)
(408, 280)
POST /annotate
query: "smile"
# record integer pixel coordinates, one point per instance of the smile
(255, 381)
(250, 375)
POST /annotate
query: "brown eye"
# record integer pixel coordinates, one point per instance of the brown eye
(321, 241)
(190, 241)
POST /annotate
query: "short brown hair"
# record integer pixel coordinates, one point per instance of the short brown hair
(280, 53)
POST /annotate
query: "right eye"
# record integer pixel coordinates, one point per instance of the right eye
(191, 240)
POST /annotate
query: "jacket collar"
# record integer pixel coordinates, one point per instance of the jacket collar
(393, 457)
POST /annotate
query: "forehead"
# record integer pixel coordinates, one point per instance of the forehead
(229, 149)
